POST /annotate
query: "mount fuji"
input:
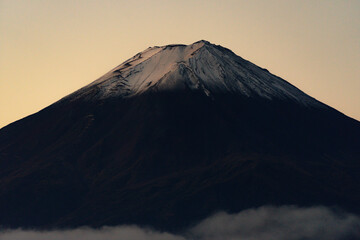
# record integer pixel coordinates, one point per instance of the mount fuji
(171, 136)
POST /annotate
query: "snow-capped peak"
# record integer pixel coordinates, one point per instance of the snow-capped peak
(200, 66)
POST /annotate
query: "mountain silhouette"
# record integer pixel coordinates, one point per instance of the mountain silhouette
(171, 136)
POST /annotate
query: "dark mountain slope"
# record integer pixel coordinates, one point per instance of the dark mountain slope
(168, 158)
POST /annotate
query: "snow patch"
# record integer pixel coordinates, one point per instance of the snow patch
(199, 66)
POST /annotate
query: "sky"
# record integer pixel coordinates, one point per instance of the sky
(50, 48)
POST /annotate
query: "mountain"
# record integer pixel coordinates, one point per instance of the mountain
(171, 136)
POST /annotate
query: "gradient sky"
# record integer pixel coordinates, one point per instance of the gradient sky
(50, 48)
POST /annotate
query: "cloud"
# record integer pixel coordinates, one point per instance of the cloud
(270, 223)
(280, 223)
(108, 233)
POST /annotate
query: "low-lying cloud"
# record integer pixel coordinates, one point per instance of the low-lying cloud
(105, 233)
(280, 223)
(264, 223)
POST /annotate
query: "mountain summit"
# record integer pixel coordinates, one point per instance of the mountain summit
(201, 66)
(171, 136)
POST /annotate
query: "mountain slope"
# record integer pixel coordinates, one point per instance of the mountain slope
(171, 136)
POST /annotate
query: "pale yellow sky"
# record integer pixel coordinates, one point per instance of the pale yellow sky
(50, 48)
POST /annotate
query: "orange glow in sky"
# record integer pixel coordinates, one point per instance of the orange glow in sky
(49, 49)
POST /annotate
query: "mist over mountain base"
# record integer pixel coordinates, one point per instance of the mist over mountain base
(264, 223)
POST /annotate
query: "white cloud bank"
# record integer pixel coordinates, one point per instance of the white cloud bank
(280, 223)
(105, 233)
(264, 223)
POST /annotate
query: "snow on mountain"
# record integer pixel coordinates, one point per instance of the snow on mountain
(202, 66)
